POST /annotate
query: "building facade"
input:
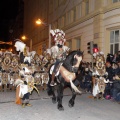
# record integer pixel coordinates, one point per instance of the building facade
(82, 21)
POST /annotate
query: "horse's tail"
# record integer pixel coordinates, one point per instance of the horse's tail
(74, 87)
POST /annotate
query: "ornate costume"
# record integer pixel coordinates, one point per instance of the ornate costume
(58, 51)
(24, 89)
(25, 84)
(99, 75)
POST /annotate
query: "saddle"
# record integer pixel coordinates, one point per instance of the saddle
(64, 72)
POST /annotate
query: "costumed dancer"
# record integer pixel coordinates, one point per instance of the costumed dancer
(24, 88)
(22, 93)
(58, 51)
(25, 84)
(99, 75)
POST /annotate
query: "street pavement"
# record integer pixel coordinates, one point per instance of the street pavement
(85, 108)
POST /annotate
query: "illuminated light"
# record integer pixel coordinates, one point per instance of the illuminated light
(9, 43)
(95, 50)
(10, 49)
(38, 22)
(23, 37)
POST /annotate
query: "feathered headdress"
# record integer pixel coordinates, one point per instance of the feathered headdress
(98, 53)
(20, 46)
(59, 36)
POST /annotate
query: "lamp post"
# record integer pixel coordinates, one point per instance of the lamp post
(39, 22)
(30, 44)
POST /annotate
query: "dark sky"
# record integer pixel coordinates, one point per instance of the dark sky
(8, 11)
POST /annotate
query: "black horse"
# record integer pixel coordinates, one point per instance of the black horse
(66, 78)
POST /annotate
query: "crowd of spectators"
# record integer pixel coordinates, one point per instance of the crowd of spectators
(112, 88)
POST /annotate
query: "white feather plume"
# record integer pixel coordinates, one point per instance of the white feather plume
(20, 46)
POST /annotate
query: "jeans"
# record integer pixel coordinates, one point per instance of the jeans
(26, 96)
(118, 97)
(114, 92)
(87, 85)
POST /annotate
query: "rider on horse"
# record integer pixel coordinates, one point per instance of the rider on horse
(58, 51)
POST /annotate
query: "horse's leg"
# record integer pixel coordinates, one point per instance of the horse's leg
(50, 91)
(60, 96)
(54, 96)
(72, 100)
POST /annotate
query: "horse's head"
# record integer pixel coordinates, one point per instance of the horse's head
(73, 60)
(77, 57)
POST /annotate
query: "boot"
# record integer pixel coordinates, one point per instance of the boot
(23, 105)
(52, 81)
(28, 104)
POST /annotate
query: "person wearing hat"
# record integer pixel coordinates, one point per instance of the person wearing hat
(58, 51)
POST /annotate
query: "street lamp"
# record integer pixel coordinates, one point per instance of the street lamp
(39, 22)
(30, 45)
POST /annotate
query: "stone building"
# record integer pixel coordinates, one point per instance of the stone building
(82, 21)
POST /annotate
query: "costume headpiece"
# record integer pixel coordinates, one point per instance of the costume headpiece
(20, 46)
(59, 36)
(100, 60)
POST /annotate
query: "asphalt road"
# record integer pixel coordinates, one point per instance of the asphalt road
(86, 108)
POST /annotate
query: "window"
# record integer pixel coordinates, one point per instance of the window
(62, 21)
(114, 41)
(67, 18)
(114, 1)
(61, 1)
(56, 4)
(78, 44)
(87, 7)
(69, 44)
(55, 25)
(50, 6)
(78, 11)
(70, 17)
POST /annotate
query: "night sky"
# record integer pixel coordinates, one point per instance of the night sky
(8, 11)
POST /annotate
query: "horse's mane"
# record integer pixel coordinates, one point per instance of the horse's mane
(70, 60)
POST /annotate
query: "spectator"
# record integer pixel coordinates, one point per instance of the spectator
(118, 56)
(115, 69)
(108, 86)
(87, 81)
(109, 71)
(115, 92)
(87, 77)
(114, 58)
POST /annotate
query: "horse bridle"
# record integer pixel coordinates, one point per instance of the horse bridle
(75, 69)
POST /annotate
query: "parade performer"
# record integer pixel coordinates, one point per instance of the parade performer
(99, 75)
(25, 84)
(58, 51)
(24, 87)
